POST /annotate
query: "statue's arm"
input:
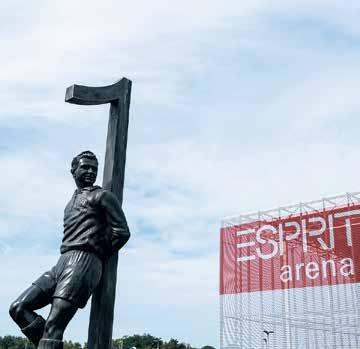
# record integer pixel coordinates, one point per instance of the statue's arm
(120, 232)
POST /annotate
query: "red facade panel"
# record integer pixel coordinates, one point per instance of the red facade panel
(311, 249)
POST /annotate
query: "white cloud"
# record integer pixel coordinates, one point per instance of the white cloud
(32, 187)
(227, 116)
(64, 42)
(326, 96)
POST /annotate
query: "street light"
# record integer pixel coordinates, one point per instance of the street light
(267, 337)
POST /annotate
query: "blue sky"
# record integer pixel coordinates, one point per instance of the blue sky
(236, 106)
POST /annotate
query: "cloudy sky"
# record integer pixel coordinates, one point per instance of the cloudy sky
(236, 106)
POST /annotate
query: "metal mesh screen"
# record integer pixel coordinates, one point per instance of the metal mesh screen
(289, 277)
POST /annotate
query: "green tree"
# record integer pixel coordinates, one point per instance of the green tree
(12, 342)
(175, 344)
(71, 345)
(145, 341)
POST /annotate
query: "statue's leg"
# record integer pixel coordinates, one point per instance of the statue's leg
(62, 311)
(22, 312)
(77, 274)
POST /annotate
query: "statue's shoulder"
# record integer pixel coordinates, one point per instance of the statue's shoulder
(107, 199)
(102, 194)
(95, 190)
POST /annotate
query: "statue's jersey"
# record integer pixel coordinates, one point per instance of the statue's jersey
(94, 222)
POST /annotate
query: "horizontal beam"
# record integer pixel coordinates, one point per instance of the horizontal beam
(87, 95)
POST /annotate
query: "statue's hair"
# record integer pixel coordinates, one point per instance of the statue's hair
(85, 154)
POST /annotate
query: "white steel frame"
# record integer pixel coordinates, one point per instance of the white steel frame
(293, 210)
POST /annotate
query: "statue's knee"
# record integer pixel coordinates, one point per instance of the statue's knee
(16, 310)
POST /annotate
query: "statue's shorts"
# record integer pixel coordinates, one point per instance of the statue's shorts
(73, 278)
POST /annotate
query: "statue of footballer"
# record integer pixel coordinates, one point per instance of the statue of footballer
(94, 228)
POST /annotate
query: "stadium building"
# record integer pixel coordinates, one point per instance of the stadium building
(289, 277)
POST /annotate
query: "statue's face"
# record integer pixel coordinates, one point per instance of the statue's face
(86, 172)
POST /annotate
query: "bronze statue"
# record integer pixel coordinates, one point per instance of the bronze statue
(94, 229)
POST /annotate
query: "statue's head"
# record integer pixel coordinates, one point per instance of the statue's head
(84, 169)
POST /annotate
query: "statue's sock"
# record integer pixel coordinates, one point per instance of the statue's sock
(50, 344)
(34, 330)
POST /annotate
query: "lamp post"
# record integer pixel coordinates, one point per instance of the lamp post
(267, 337)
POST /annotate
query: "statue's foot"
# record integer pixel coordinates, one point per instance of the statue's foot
(50, 344)
(34, 330)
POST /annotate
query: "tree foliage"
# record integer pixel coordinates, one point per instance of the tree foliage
(144, 341)
(12, 342)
